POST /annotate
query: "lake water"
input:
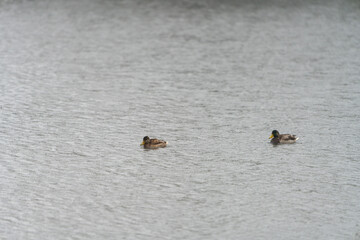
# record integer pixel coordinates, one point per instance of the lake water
(82, 82)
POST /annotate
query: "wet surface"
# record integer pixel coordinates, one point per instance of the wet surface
(82, 83)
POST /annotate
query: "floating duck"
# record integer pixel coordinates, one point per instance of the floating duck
(278, 138)
(153, 143)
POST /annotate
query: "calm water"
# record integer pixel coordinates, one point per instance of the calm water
(82, 82)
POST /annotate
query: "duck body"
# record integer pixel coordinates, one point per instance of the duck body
(278, 138)
(153, 143)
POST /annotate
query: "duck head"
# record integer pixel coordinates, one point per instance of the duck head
(145, 139)
(274, 134)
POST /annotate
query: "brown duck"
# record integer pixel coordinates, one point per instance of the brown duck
(153, 143)
(282, 138)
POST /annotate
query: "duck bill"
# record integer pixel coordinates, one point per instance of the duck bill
(272, 135)
(143, 143)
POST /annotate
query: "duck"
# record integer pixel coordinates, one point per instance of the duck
(153, 143)
(278, 138)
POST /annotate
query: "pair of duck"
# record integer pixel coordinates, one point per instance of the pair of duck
(276, 138)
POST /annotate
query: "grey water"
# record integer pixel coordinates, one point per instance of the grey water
(82, 82)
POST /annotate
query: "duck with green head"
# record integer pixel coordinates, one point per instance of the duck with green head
(278, 138)
(153, 143)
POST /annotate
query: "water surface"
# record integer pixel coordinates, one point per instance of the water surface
(83, 82)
